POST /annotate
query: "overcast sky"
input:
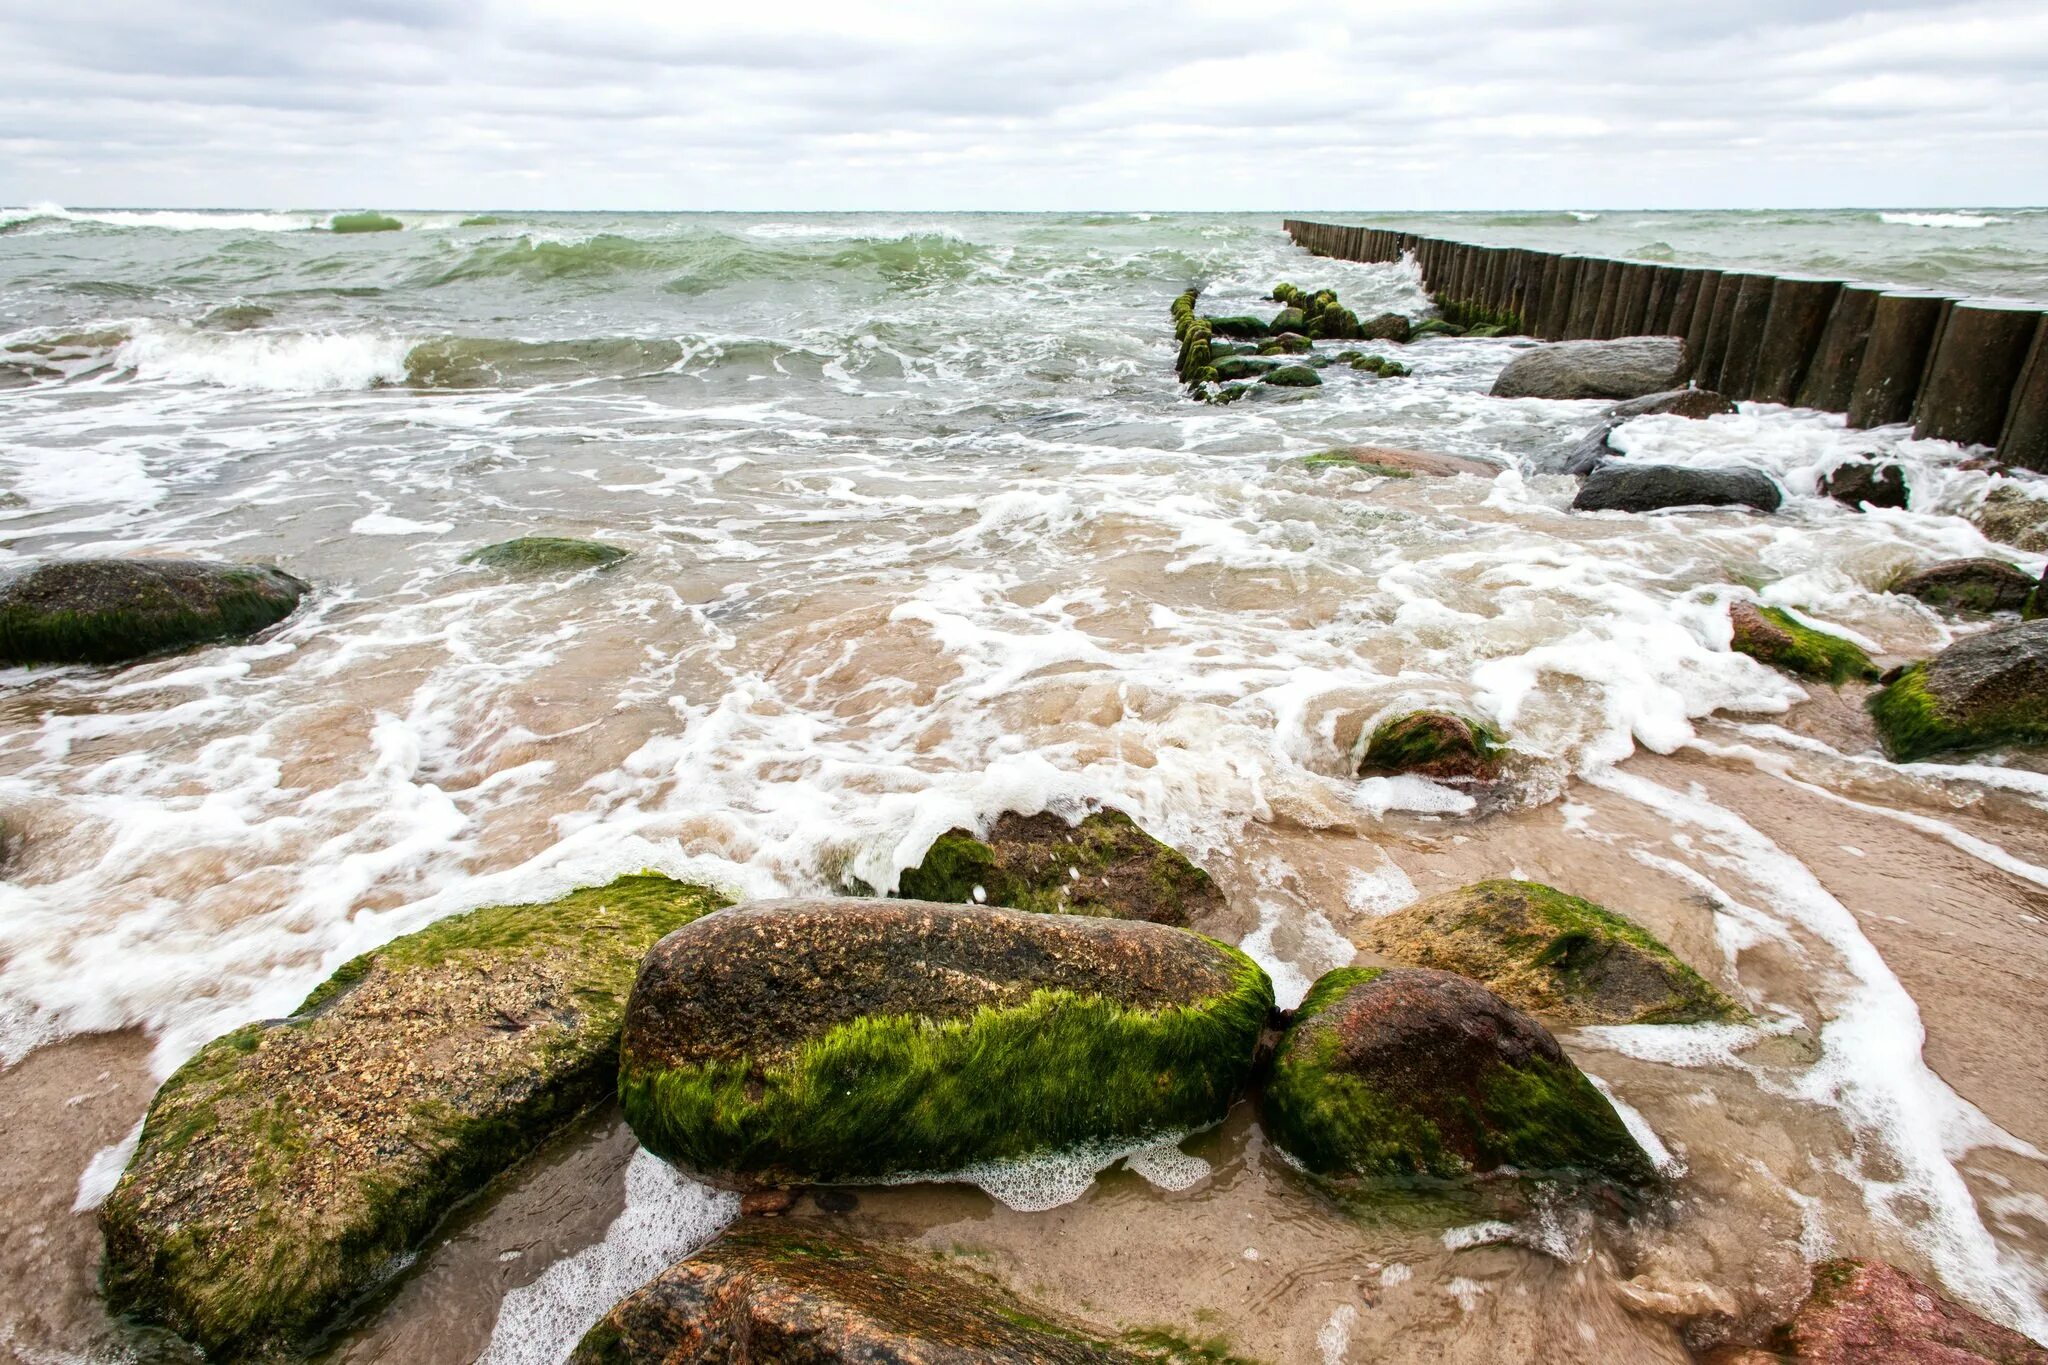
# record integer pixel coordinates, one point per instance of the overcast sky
(973, 104)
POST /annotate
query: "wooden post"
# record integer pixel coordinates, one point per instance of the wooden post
(1798, 314)
(1737, 379)
(1610, 292)
(1977, 361)
(1901, 335)
(1839, 353)
(2024, 442)
(1715, 350)
(1586, 299)
(1557, 305)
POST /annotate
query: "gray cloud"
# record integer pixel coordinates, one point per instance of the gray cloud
(1056, 104)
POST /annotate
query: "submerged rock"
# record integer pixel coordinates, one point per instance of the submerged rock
(820, 1041)
(1434, 744)
(2009, 515)
(1551, 954)
(802, 1292)
(1969, 585)
(1631, 367)
(112, 610)
(1866, 483)
(1400, 1073)
(546, 554)
(290, 1165)
(1628, 487)
(1869, 1313)
(1105, 865)
(1987, 691)
(1292, 377)
(1394, 463)
(1771, 636)
(1232, 368)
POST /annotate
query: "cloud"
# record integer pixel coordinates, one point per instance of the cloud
(917, 104)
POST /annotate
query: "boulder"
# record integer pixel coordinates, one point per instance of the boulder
(1387, 327)
(1540, 950)
(1771, 636)
(1292, 377)
(1984, 692)
(1866, 483)
(1244, 326)
(1622, 486)
(1381, 366)
(1631, 367)
(805, 1292)
(104, 611)
(1969, 585)
(1434, 744)
(1400, 1073)
(820, 1041)
(1232, 368)
(293, 1164)
(1287, 343)
(1286, 320)
(1105, 865)
(1594, 448)
(1395, 463)
(546, 554)
(2009, 515)
(1869, 1313)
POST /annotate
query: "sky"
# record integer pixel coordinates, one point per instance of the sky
(984, 104)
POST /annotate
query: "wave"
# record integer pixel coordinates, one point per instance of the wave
(489, 362)
(1942, 220)
(697, 262)
(171, 220)
(284, 362)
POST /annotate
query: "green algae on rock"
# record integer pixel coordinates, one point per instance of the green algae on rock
(1551, 954)
(1981, 586)
(1864, 1312)
(1105, 865)
(1400, 1074)
(820, 1041)
(843, 1299)
(113, 610)
(1983, 692)
(1434, 744)
(291, 1165)
(1292, 377)
(1771, 636)
(546, 554)
(363, 222)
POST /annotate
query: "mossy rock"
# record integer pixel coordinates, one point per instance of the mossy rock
(1286, 320)
(820, 1041)
(1105, 865)
(1541, 950)
(1288, 343)
(292, 1165)
(1292, 377)
(1976, 586)
(1434, 327)
(1771, 636)
(1335, 323)
(1985, 692)
(1229, 394)
(363, 222)
(1400, 1075)
(546, 554)
(1434, 744)
(1393, 327)
(792, 1291)
(1241, 327)
(1234, 368)
(1490, 330)
(2008, 514)
(105, 611)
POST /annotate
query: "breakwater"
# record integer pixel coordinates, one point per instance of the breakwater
(1974, 371)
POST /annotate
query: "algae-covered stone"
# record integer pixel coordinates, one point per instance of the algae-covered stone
(2010, 515)
(804, 1292)
(1292, 377)
(1984, 692)
(1392, 327)
(1287, 343)
(289, 1165)
(819, 1041)
(363, 222)
(1242, 326)
(546, 554)
(1869, 1313)
(1402, 1074)
(1969, 585)
(1551, 954)
(112, 610)
(1434, 327)
(1287, 320)
(1771, 636)
(1105, 865)
(1233, 368)
(1434, 744)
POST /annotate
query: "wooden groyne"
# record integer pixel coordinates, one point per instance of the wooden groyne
(1967, 370)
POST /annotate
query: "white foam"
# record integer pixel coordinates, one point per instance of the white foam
(1942, 220)
(103, 1172)
(288, 362)
(1465, 1291)
(1047, 1180)
(1333, 1338)
(1381, 890)
(667, 1216)
(1165, 1166)
(169, 220)
(1477, 1235)
(1639, 1128)
(384, 524)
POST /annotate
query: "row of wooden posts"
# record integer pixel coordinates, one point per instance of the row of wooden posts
(1968, 370)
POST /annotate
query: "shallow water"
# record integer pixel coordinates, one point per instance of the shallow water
(923, 531)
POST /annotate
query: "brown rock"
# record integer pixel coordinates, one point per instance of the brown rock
(1868, 1313)
(1866, 483)
(1969, 585)
(2013, 517)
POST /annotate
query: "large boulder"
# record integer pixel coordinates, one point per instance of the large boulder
(1868, 1313)
(1984, 692)
(819, 1041)
(1631, 367)
(804, 1292)
(293, 1164)
(1980, 586)
(1866, 483)
(546, 554)
(1398, 1073)
(2010, 515)
(1552, 954)
(1434, 744)
(1105, 865)
(1770, 636)
(1623, 486)
(104, 611)
(1392, 327)
(1595, 448)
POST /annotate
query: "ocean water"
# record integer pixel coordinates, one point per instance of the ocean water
(922, 530)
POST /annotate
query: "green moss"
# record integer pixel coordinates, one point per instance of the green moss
(1292, 377)
(956, 863)
(242, 602)
(1287, 345)
(546, 554)
(1286, 320)
(1913, 724)
(1244, 327)
(1433, 743)
(481, 220)
(892, 1094)
(1435, 327)
(1230, 394)
(1807, 652)
(363, 222)
(1170, 1347)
